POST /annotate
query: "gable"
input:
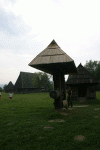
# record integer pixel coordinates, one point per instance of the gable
(25, 80)
(84, 76)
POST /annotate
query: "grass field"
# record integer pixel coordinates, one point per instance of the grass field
(29, 122)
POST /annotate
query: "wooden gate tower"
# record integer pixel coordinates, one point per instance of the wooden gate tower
(55, 61)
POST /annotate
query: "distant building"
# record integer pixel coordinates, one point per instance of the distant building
(83, 84)
(9, 87)
(24, 83)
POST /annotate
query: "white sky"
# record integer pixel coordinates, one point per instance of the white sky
(28, 26)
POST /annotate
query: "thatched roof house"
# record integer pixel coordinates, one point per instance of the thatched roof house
(9, 87)
(24, 83)
(83, 84)
(53, 59)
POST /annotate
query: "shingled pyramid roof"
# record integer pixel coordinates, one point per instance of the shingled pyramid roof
(84, 76)
(10, 86)
(53, 58)
(25, 80)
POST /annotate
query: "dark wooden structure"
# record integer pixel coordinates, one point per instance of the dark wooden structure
(24, 83)
(83, 85)
(9, 87)
(55, 61)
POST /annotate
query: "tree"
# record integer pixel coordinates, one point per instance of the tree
(0, 89)
(94, 68)
(4, 87)
(36, 80)
(97, 74)
(42, 80)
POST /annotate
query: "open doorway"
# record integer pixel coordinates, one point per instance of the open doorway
(82, 90)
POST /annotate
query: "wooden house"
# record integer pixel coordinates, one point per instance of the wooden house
(9, 87)
(83, 85)
(24, 83)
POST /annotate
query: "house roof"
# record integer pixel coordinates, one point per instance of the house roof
(25, 80)
(10, 86)
(84, 76)
(53, 58)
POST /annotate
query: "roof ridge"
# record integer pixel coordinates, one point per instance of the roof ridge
(84, 74)
(88, 72)
(53, 42)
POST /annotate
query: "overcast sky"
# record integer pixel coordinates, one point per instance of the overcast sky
(28, 26)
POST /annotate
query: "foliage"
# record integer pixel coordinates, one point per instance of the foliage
(42, 80)
(4, 87)
(23, 121)
(1, 89)
(94, 68)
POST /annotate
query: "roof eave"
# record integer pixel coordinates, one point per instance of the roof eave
(65, 67)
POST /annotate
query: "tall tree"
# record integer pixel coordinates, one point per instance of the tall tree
(98, 71)
(4, 87)
(0, 89)
(42, 80)
(94, 68)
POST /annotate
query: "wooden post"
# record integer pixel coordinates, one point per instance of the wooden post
(59, 84)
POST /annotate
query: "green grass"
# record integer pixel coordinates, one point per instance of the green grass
(22, 122)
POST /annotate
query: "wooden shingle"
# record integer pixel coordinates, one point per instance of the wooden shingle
(25, 80)
(84, 76)
(52, 59)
